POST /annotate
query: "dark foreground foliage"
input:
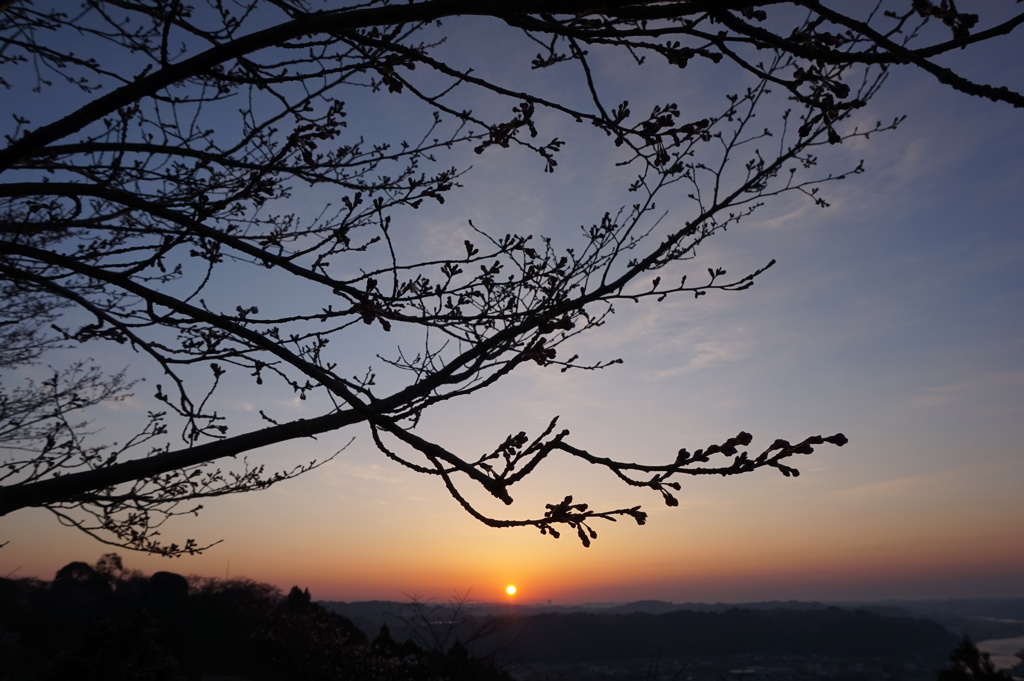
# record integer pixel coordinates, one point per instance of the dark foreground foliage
(89, 623)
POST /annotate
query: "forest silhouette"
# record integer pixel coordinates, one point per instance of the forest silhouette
(104, 622)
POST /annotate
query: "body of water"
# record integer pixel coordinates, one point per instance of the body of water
(1002, 651)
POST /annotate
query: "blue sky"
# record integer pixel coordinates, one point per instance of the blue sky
(895, 316)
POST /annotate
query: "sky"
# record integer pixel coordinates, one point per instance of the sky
(895, 316)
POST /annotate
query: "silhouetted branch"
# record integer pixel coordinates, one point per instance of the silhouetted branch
(161, 208)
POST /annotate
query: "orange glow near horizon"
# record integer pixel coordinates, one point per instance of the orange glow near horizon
(738, 567)
(691, 555)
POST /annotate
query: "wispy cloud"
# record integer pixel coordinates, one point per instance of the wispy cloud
(968, 389)
(373, 472)
(931, 484)
(899, 488)
(707, 354)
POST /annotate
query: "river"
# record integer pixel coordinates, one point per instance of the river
(1002, 651)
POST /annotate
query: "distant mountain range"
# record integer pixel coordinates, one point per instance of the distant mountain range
(615, 631)
(1007, 613)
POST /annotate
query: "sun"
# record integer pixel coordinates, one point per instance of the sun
(511, 590)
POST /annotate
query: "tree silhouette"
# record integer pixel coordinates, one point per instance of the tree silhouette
(222, 629)
(967, 663)
(156, 179)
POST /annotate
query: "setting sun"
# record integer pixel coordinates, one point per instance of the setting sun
(510, 590)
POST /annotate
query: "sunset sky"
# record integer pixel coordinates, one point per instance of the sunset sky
(896, 316)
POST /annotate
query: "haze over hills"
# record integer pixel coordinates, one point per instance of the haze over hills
(554, 634)
(1004, 615)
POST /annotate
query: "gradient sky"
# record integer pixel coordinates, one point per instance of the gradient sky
(895, 316)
